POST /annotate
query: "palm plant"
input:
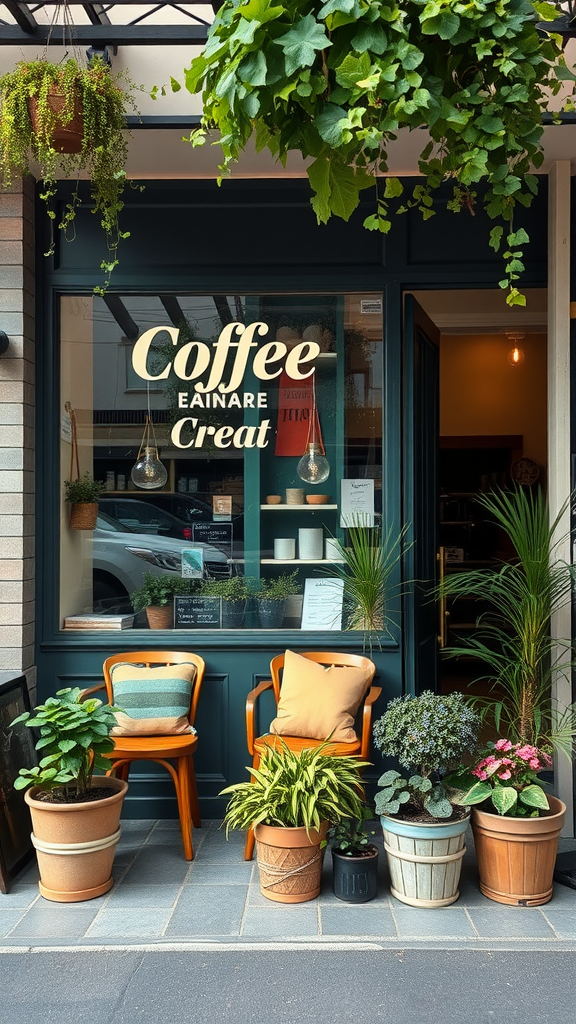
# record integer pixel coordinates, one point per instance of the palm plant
(367, 564)
(513, 638)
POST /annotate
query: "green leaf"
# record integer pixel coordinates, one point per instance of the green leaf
(253, 69)
(393, 188)
(514, 297)
(260, 10)
(352, 70)
(489, 123)
(504, 798)
(319, 177)
(329, 124)
(496, 238)
(444, 25)
(345, 6)
(534, 796)
(301, 43)
(479, 792)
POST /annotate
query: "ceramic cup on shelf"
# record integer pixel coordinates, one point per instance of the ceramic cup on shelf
(284, 547)
(273, 499)
(310, 543)
(294, 495)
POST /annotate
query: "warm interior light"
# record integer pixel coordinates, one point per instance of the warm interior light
(516, 354)
(313, 467)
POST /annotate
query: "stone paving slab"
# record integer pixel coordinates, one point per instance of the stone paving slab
(161, 901)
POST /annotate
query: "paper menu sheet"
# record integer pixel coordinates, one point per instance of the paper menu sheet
(322, 605)
(357, 503)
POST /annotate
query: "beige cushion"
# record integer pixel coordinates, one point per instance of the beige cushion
(317, 702)
(155, 701)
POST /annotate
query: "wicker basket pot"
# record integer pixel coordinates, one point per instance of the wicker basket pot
(290, 862)
(424, 860)
(516, 856)
(67, 138)
(75, 843)
(160, 616)
(83, 516)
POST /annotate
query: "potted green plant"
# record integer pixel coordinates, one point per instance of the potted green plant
(513, 639)
(367, 563)
(156, 595)
(75, 814)
(423, 830)
(234, 593)
(289, 802)
(516, 825)
(69, 117)
(272, 596)
(82, 495)
(354, 860)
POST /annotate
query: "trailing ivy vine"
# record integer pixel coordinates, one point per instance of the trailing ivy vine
(337, 81)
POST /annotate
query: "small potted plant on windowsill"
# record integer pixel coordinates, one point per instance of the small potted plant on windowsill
(156, 596)
(289, 802)
(354, 860)
(423, 829)
(234, 593)
(272, 597)
(82, 495)
(75, 814)
(516, 825)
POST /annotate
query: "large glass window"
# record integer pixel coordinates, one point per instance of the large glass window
(238, 439)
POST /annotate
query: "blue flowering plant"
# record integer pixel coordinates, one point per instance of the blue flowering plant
(428, 735)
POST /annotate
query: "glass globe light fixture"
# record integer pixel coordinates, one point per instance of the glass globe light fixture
(148, 473)
(313, 467)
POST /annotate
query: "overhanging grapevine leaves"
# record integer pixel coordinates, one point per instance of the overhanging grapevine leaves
(337, 83)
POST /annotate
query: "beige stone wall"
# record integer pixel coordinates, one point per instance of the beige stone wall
(17, 431)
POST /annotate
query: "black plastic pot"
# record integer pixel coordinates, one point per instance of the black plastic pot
(355, 879)
(271, 613)
(233, 614)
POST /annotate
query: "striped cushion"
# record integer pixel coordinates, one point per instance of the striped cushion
(155, 701)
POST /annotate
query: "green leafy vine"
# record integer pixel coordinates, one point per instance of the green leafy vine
(339, 81)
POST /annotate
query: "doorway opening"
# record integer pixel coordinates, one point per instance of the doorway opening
(492, 434)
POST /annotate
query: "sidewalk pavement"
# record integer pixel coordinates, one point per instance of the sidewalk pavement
(159, 902)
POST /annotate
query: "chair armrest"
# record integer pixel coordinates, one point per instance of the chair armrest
(250, 706)
(92, 689)
(372, 696)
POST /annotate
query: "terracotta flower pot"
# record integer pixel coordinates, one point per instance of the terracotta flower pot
(424, 860)
(83, 516)
(290, 862)
(160, 616)
(516, 856)
(75, 843)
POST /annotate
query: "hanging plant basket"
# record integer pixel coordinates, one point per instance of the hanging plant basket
(68, 129)
(84, 515)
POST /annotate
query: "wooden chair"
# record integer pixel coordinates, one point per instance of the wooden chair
(162, 749)
(257, 745)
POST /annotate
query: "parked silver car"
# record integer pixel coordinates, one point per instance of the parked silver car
(120, 557)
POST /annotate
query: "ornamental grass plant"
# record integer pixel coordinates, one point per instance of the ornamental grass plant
(428, 735)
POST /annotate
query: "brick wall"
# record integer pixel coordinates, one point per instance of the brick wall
(17, 431)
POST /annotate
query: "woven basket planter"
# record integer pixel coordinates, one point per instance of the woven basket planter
(160, 616)
(424, 861)
(290, 862)
(67, 138)
(516, 856)
(75, 843)
(84, 515)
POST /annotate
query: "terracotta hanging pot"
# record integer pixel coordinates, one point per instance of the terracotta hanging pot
(67, 137)
(75, 843)
(516, 856)
(83, 516)
(290, 862)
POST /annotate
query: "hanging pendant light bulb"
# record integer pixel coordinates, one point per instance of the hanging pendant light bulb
(516, 354)
(313, 467)
(148, 473)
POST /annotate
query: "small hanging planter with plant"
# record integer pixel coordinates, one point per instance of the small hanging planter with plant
(68, 118)
(337, 81)
(81, 492)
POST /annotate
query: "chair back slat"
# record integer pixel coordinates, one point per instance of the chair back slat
(151, 659)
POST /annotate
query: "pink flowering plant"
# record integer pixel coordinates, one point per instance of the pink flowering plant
(507, 775)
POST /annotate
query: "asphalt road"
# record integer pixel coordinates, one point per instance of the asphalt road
(288, 987)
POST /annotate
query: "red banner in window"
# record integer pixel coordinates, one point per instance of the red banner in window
(294, 412)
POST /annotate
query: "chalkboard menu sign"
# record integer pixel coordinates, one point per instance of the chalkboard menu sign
(195, 612)
(218, 535)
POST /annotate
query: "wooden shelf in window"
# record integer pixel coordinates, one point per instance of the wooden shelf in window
(292, 561)
(297, 508)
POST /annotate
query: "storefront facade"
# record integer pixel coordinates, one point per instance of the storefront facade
(249, 252)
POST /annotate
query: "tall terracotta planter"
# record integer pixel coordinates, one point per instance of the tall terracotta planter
(75, 843)
(290, 862)
(516, 856)
(424, 860)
